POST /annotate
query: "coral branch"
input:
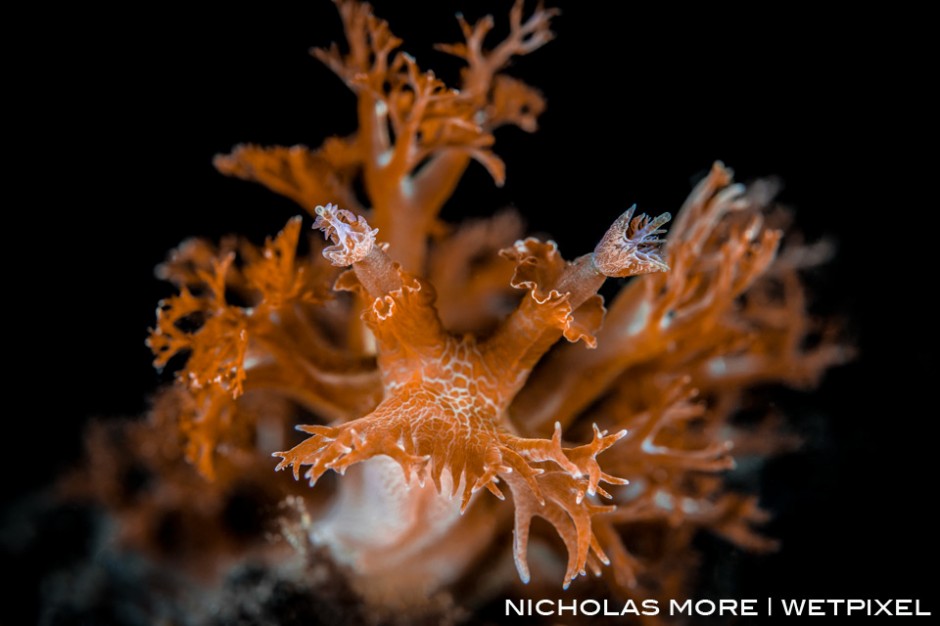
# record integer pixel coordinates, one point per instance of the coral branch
(265, 344)
(482, 65)
(719, 249)
(415, 138)
(308, 178)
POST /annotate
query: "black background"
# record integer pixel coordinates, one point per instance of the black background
(120, 124)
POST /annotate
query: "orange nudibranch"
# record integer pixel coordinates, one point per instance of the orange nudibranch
(445, 409)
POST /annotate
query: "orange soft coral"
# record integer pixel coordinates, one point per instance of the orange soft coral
(416, 137)
(428, 371)
(268, 333)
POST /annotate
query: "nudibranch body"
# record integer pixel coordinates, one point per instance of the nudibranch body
(444, 413)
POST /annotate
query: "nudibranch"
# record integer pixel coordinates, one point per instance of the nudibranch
(444, 415)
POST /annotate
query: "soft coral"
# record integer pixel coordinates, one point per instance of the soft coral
(470, 397)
